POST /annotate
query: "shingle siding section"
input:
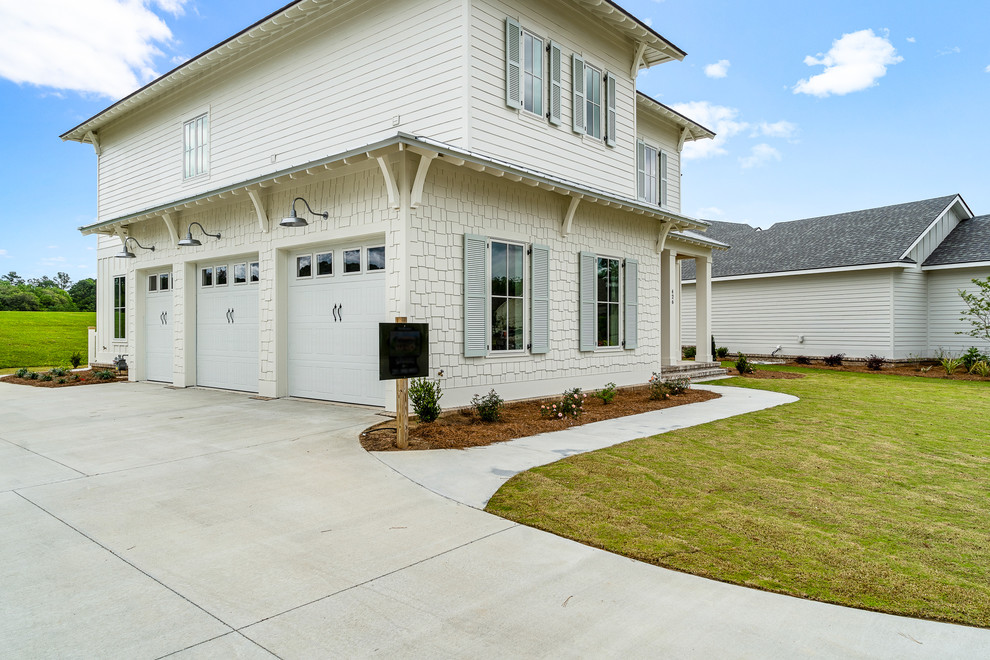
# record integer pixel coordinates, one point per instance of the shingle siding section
(859, 238)
(969, 242)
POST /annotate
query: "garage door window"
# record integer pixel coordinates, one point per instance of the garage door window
(240, 273)
(255, 272)
(304, 266)
(324, 263)
(221, 274)
(352, 261)
(376, 258)
(152, 283)
(207, 277)
(165, 281)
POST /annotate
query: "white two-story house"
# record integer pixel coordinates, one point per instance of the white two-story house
(484, 166)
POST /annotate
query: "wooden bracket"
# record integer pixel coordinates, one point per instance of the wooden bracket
(95, 141)
(565, 226)
(637, 59)
(167, 217)
(416, 197)
(390, 185)
(662, 238)
(684, 136)
(259, 209)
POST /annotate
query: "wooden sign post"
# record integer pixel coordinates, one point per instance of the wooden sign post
(401, 406)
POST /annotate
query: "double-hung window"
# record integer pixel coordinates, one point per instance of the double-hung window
(651, 174)
(607, 289)
(532, 65)
(532, 72)
(120, 307)
(609, 302)
(593, 101)
(507, 297)
(196, 147)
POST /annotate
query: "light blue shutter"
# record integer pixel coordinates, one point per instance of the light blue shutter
(663, 179)
(587, 279)
(540, 299)
(610, 110)
(555, 74)
(640, 169)
(513, 64)
(475, 296)
(577, 84)
(631, 309)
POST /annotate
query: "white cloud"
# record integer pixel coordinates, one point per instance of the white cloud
(987, 70)
(718, 70)
(911, 40)
(4, 254)
(648, 21)
(52, 247)
(778, 129)
(855, 62)
(107, 47)
(719, 118)
(760, 154)
(949, 51)
(710, 212)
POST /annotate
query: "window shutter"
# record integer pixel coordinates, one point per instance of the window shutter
(640, 169)
(587, 279)
(610, 111)
(475, 296)
(663, 179)
(631, 310)
(555, 75)
(577, 83)
(513, 64)
(540, 299)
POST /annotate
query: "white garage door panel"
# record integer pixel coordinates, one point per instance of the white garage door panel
(227, 337)
(335, 356)
(158, 340)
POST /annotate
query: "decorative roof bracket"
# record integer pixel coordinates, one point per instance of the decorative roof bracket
(565, 227)
(167, 218)
(662, 238)
(95, 141)
(259, 209)
(637, 60)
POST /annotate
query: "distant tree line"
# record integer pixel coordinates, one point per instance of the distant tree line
(45, 294)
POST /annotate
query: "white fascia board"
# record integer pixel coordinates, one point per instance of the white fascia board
(965, 264)
(921, 236)
(816, 271)
(664, 112)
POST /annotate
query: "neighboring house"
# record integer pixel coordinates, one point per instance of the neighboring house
(882, 281)
(484, 166)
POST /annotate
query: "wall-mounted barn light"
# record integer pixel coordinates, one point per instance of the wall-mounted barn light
(189, 241)
(294, 221)
(127, 254)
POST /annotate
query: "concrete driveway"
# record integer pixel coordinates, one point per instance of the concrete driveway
(139, 521)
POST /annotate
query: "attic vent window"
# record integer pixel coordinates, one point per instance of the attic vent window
(196, 147)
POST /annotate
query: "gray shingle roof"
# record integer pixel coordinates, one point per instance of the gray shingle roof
(969, 242)
(859, 238)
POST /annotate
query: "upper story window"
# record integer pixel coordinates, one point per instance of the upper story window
(593, 102)
(532, 72)
(651, 174)
(196, 147)
(532, 66)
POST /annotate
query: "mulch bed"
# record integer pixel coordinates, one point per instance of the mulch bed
(85, 378)
(458, 429)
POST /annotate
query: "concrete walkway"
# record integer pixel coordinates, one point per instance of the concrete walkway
(141, 522)
(471, 476)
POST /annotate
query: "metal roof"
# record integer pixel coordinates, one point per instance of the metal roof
(969, 242)
(860, 238)
(695, 130)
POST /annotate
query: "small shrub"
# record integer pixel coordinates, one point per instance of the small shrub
(689, 352)
(658, 389)
(60, 381)
(425, 396)
(106, 374)
(678, 386)
(874, 362)
(972, 356)
(981, 368)
(75, 359)
(801, 359)
(46, 378)
(742, 365)
(32, 375)
(73, 377)
(21, 373)
(58, 371)
(721, 352)
(571, 405)
(950, 364)
(834, 360)
(607, 393)
(489, 407)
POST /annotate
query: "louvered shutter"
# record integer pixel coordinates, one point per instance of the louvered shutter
(587, 279)
(577, 84)
(663, 179)
(631, 303)
(553, 113)
(640, 169)
(610, 109)
(475, 295)
(513, 64)
(540, 299)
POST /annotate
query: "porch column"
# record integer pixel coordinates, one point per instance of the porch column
(703, 308)
(670, 318)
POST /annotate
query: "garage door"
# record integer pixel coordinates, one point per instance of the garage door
(158, 327)
(227, 325)
(336, 301)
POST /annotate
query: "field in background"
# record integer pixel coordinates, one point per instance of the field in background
(42, 339)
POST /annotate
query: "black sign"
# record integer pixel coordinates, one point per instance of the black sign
(403, 350)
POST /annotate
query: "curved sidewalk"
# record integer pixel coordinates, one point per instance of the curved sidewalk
(471, 476)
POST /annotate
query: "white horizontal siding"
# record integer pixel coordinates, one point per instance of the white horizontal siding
(934, 236)
(333, 85)
(520, 137)
(946, 307)
(665, 136)
(910, 288)
(836, 313)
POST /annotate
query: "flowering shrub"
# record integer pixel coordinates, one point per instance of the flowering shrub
(571, 405)
(658, 389)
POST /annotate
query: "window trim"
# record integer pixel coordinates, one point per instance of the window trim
(216, 275)
(343, 261)
(588, 69)
(367, 259)
(526, 299)
(541, 70)
(233, 280)
(202, 273)
(120, 310)
(311, 269)
(619, 303)
(316, 264)
(204, 147)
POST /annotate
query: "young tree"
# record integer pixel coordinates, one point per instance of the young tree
(63, 280)
(978, 312)
(13, 278)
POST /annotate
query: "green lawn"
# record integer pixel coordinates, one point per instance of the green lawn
(42, 339)
(872, 491)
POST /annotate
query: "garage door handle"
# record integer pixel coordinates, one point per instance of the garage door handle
(334, 312)
(340, 312)
(164, 318)
(230, 315)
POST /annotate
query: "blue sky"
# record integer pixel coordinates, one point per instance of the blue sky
(820, 107)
